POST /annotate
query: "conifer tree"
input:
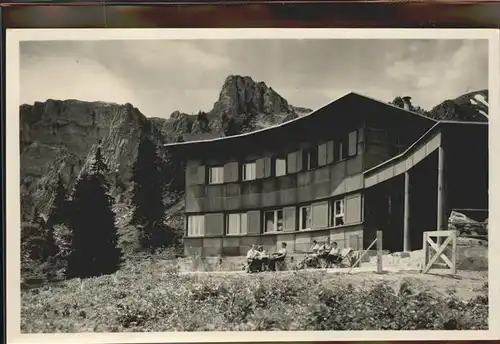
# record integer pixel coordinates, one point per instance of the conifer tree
(149, 184)
(94, 247)
(58, 212)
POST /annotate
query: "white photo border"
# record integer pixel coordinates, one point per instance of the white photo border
(13, 222)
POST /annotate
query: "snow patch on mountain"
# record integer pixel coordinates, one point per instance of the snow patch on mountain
(482, 99)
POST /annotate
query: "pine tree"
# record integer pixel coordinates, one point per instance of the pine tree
(94, 247)
(149, 183)
(57, 213)
(399, 102)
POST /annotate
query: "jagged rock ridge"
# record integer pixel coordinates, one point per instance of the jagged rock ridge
(58, 137)
(243, 106)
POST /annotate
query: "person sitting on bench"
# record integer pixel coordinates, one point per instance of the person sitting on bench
(334, 255)
(253, 262)
(263, 258)
(314, 250)
(325, 250)
(311, 258)
(277, 257)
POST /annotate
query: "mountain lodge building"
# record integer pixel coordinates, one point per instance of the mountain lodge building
(344, 171)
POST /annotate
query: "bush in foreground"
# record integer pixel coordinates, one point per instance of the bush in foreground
(148, 301)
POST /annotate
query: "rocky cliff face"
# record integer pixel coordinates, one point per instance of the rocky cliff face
(472, 106)
(58, 137)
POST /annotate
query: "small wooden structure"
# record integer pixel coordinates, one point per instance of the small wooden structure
(438, 248)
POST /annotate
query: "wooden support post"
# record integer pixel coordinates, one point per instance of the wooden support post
(406, 225)
(440, 192)
(454, 253)
(426, 252)
(379, 251)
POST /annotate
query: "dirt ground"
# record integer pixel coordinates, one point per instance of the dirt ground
(466, 284)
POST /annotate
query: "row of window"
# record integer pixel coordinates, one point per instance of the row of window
(274, 220)
(311, 157)
(248, 171)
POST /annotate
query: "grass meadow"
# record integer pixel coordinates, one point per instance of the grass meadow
(154, 296)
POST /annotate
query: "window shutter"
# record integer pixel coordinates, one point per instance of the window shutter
(299, 161)
(192, 175)
(329, 152)
(267, 167)
(201, 175)
(260, 168)
(231, 172)
(353, 143)
(322, 154)
(214, 224)
(292, 162)
(320, 215)
(289, 218)
(253, 222)
(352, 209)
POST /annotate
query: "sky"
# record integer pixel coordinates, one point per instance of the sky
(162, 76)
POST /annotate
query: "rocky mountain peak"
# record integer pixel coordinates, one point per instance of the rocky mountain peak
(241, 94)
(472, 106)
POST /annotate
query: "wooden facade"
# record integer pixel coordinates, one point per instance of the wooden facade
(304, 180)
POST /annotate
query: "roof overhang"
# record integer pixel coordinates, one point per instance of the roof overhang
(422, 148)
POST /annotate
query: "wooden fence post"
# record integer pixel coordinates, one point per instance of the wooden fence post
(424, 246)
(454, 253)
(379, 251)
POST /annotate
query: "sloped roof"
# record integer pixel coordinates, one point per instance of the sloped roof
(301, 118)
(429, 132)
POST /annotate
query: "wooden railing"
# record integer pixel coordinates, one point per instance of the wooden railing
(439, 248)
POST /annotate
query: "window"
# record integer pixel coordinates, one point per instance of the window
(341, 149)
(305, 217)
(346, 146)
(338, 213)
(236, 224)
(216, 175)
(310, 158)
(273, 221)
(196, 225)
(248, 172)
(337, 150)
(280, 166)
